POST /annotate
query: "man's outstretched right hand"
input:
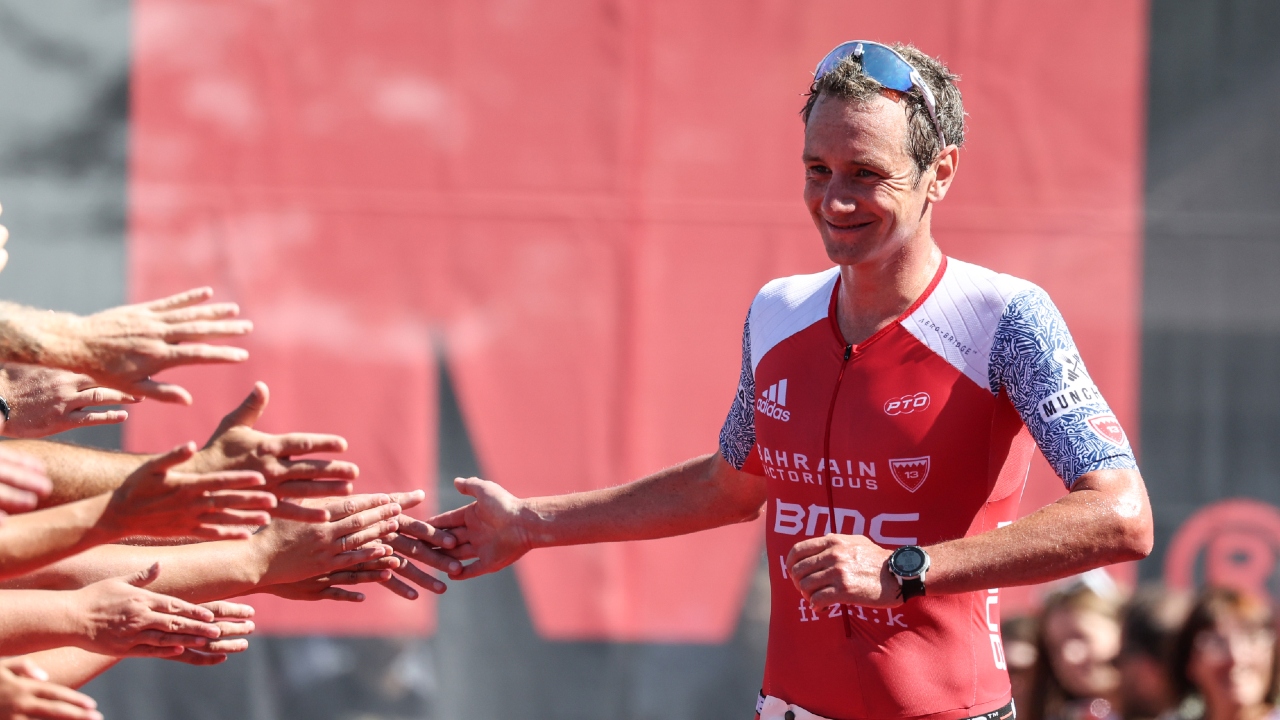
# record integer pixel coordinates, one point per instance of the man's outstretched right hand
(492, 531)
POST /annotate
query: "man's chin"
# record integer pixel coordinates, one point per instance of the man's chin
(850, 253)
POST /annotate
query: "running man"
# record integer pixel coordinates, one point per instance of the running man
(887, 412)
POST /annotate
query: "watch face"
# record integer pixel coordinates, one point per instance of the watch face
(908, 561)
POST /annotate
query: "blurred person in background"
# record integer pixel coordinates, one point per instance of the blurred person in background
(1225, 659)
(1075, 676)
(1150, 623)
(1020, 636)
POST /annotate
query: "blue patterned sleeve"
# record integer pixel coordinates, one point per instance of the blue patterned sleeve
(738, 435)
(1034, 359)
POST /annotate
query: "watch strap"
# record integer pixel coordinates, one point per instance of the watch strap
(911, 587)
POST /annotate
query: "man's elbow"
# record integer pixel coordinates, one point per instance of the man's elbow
(1134, 537)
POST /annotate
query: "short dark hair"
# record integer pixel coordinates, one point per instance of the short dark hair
(847, 81)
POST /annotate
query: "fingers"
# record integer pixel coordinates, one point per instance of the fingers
(305, 443)
(240, 500)
(341, 595)
(95, 396)
(249, 411)
(222, 480)
(423, 553)
(421, 578)
(26, 667)
(174, 606)
(356, 577)
(235, 517)
(206, 330)
(200, 353)
(313, 488)
(806, 548)
(401, 588)
(54, 691)
(451, 519)
(161, 392)
(350, 558)
(315, 469)
(143, 578)
(427, 532)
(25, 475)
(369, 534)
(476, 569)
(42, 708)
(213, 311)
(225, 609)
(176, 456)
(341, 508)
(80, 418)
(407, 500)
(187, 298)
(199, 657)
(13, 500)
(300, 513)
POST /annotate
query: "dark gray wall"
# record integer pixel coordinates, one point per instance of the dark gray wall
(1211, 334)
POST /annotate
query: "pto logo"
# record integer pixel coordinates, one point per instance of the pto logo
(1108, 428)
(773, 402)
(907, 404)
(910, 472)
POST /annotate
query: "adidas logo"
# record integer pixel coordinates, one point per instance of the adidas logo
(773, 402)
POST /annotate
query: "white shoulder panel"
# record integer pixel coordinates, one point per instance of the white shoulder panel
(958, 321)
(786, 306)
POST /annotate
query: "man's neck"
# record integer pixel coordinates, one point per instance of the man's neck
(875, 293)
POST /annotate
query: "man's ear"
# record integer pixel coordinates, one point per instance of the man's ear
(944, 171)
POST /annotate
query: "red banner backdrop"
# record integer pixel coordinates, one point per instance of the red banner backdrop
(573, 203)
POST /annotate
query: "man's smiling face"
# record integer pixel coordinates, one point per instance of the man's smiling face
(861, 185)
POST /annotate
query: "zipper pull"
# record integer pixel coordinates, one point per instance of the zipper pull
(848, 352)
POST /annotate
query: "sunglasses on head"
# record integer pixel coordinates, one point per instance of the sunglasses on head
(884, 65)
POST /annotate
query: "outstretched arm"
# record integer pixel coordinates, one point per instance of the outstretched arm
(122, 348)
(281, 553)
(155, 501)
(78, 472)
(498, 528)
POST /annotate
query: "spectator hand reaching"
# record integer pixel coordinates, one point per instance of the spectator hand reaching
(45, 401)
(124, 347)
(236, 445)
(159, 501)
(22, 482)
(27, 694)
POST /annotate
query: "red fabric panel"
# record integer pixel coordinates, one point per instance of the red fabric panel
(579, 199)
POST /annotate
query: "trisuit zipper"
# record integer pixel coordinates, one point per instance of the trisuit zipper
(826, 458)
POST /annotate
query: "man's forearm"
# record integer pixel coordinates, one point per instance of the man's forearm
(1091, 527)
(32, 540)
(24, 337)
(79, 472)
(197, 573)
(34, 620)
(699, 494)
(72, 667)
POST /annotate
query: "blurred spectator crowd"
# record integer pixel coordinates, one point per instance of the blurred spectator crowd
(1093, 654)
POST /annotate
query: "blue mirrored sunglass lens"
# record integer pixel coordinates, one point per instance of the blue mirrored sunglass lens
(886, 68)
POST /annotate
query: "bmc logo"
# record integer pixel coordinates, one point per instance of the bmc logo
(907, 404)
(773, 402)
(792, 519)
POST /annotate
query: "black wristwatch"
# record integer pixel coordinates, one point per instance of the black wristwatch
(4, 409)
(909, 564)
